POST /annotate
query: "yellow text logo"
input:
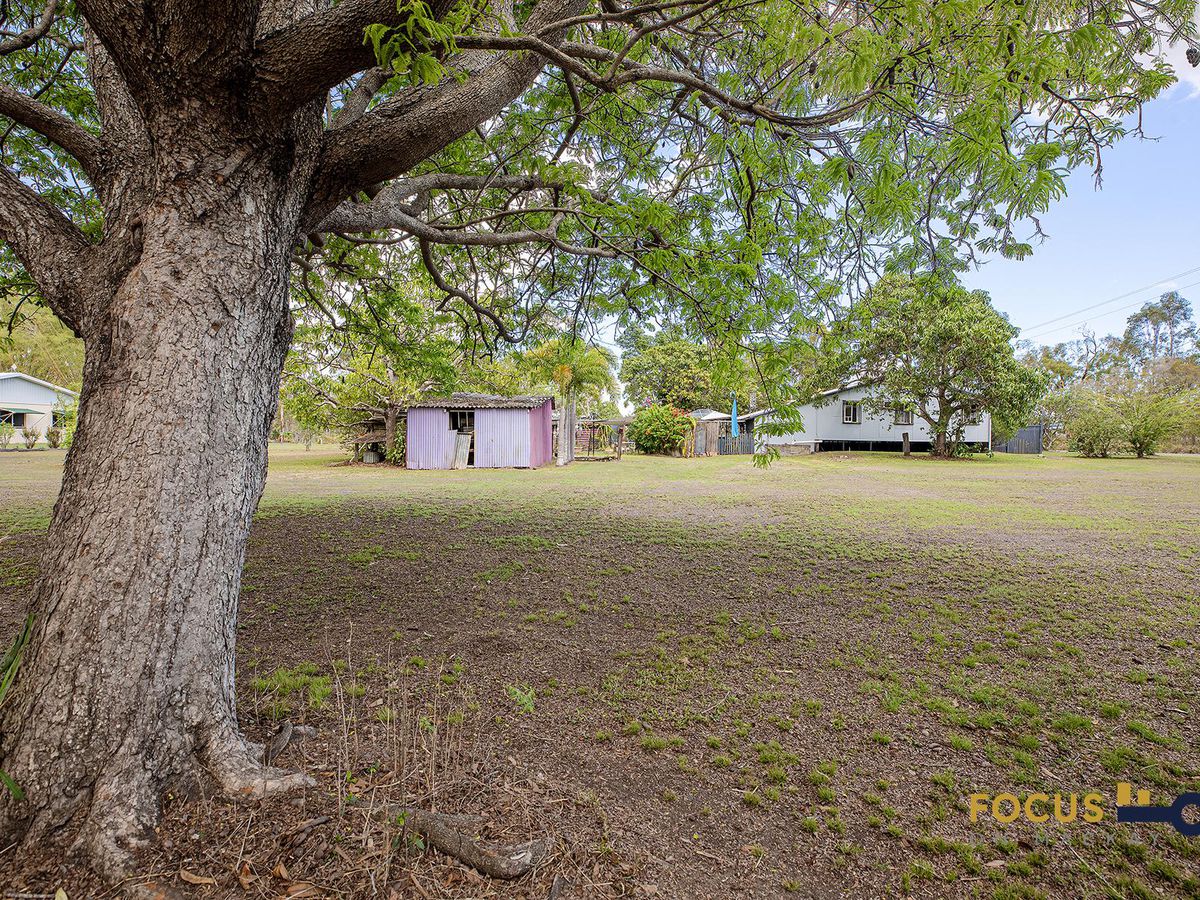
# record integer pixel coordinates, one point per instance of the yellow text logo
(1064, 808)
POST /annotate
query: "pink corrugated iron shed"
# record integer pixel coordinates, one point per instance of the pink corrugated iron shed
(541, 441)
(505, 437)
(429, 442)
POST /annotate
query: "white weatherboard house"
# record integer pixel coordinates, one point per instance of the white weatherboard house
(28, 401)
(840, 420)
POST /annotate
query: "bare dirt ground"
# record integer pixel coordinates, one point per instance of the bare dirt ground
(694, 678)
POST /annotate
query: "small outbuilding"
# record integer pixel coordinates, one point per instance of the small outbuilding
(480, 431)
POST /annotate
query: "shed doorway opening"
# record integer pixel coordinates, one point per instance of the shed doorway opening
(463, 422)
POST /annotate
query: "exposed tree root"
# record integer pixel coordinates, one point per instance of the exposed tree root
(234, 763)
(285, 735)
(444, 833)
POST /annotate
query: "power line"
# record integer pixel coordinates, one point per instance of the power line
(1072, 314)
(1044, 334)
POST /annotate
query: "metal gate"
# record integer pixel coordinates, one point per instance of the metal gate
(1026, 440)
(743, 443)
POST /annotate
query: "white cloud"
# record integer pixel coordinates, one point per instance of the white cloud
(1188, 75)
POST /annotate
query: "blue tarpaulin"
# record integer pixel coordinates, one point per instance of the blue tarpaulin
(733, 425)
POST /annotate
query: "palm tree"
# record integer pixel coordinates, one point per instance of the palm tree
(574, 368)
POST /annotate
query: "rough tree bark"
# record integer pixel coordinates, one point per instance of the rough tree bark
(391, 415)
(127, 689)
(212, 162)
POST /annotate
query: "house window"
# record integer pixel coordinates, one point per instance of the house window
(903, 417)
(851, 412)
(462, 420)
(15, 419)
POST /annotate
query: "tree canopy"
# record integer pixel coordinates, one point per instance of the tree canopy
(928, 346)
(736, 164)
(1100, 386)
(1161, 329)
(575, 369)
(383, 348)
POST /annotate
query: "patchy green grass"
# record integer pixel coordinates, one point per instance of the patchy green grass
(801, 671)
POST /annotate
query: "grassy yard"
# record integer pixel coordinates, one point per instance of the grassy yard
(694, 678)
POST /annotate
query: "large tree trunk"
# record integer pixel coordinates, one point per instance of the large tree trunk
(939, 445)
(391, 415)
(127, 689)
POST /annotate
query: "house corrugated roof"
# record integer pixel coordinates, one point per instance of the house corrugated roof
(478, 401)
(707, 414)
(30, 378)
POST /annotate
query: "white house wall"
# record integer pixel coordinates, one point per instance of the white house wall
(30, 395)
(824, 423)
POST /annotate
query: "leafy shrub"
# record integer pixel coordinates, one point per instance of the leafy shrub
(1149, 417)
(659, 429)
(30, 436)
(6, 435)
(54, 436)
(66, 417)
(1094, 429)
(1123, 414)
(395, 453)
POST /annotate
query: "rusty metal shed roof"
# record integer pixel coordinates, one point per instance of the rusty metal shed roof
(478, 401)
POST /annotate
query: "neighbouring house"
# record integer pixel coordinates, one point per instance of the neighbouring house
(26, 401)
(840, 420)
(479, 431)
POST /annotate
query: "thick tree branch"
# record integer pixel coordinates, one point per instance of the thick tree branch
(301, 62)
(34, 33)
(169, 50)
(52, 249)
(360, 96)
(396, 135)
(571, 57)
(121, 121)
(389, 211)
(379, 213)
(55, 127)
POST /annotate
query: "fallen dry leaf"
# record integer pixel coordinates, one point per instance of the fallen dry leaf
(193, 878)
(245, 875)
(280, 871)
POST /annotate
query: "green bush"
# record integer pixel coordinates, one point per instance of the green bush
(1095, 430)
(65, 417)
(1123, 415)
(30, 436)
(1151, 417)
(6, 435)
(659, 429)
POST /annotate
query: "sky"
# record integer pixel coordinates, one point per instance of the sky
(1141, 227)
